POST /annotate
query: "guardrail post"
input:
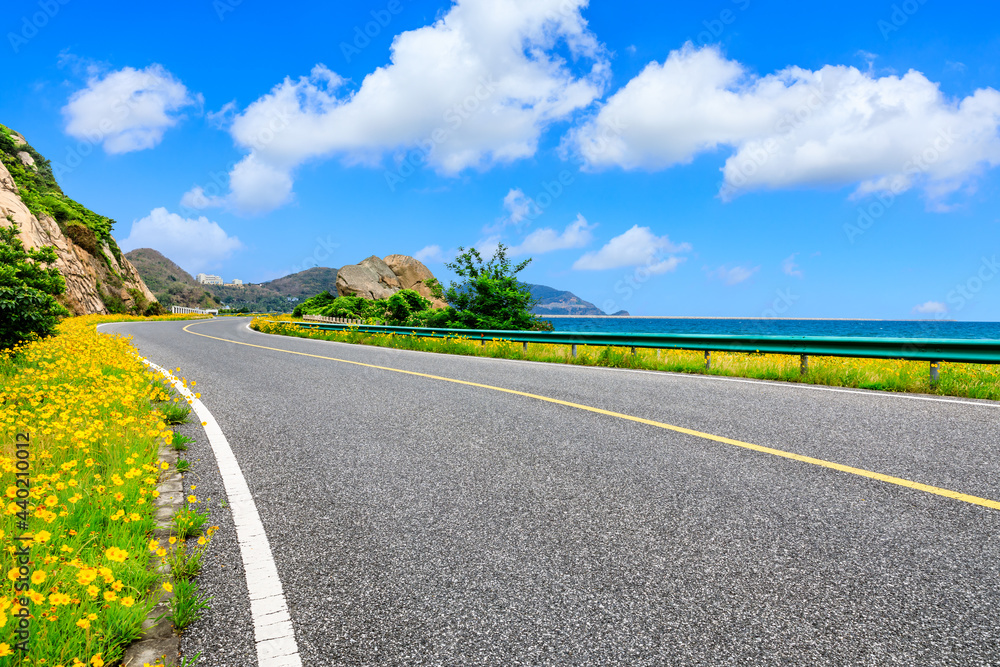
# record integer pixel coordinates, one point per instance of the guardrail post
(633, 351)
(525, 348)
(574, 350)
(803, 364)
(708, 360)
(482, 339)
(935, 367)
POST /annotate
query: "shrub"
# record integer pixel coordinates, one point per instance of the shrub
(83, 236)
(490, 296)
(28, 289)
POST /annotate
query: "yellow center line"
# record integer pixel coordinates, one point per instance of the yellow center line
(888, 479)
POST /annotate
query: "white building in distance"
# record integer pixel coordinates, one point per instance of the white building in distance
(208, 279)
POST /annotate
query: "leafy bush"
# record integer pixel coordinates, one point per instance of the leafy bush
(490, 295)
(28, 289)
(400, 309)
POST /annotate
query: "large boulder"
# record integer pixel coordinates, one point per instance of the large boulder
(363, 281)
(412, 274)
(385, 274)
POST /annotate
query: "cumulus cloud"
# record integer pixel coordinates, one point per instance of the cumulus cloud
(194, 244)
(431, 253)
(475, 88)
(732, 276)
(834, 126)
(636, 247)
(127, 110)
(931, 308)
(790, 268)
(576, 235)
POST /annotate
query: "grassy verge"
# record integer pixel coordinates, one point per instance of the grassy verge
(76, 583)
(965, 380)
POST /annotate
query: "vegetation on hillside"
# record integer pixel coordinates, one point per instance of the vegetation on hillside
(404, 308)
(29, 285)
(42, 195)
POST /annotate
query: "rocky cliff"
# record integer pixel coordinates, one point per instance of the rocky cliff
(98, 277)
(374, 278)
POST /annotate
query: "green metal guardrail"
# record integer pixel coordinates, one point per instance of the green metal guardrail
(934, 350)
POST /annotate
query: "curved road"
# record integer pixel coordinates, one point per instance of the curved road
(415, 520)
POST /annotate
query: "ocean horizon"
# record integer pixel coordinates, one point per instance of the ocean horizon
(772, 326)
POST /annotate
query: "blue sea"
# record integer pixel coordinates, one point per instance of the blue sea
(779, 327)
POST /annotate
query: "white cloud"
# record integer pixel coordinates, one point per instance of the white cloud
(431, 253)
(833, 126)
(127, 110)
(931, 308)
(636, 247)
(475, 88)
(576, 235)
(194, 244)
(197, 199)
(790, 268)
(734, 275)
(519, 206)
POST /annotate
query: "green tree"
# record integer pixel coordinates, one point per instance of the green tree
(490, 296)
(29, 285)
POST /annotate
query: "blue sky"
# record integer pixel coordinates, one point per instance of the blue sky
(729, 158)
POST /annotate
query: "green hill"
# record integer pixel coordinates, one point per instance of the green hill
(172, 285)
(305, 284)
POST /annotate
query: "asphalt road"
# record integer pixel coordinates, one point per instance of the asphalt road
(417, 521)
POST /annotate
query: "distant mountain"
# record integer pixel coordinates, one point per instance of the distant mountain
(560, 302)
(172, 285)
(305, 284)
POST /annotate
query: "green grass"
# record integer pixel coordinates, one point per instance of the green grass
(964, 380)
(187, 604)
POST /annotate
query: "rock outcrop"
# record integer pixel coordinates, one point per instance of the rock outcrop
(94, 278)
(374, 278)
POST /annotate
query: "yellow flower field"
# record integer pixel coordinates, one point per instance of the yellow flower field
(966, 380)
(79, 437)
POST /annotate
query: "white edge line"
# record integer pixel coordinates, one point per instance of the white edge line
(986, 403)
(264, 587)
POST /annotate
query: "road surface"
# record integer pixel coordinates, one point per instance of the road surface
(418, 520)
